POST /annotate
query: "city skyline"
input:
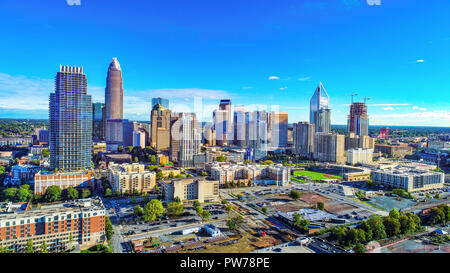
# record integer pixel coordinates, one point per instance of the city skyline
(283, 57)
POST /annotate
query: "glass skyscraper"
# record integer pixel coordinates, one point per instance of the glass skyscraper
(70, 118)
(320, 114)
(164, 102)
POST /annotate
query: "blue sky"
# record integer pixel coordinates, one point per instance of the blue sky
(264, 54)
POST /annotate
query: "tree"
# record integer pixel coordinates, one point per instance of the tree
(53, 194)
(196, 204)
(239, 196)
(159, 175)
(300, 223)
(71, 193)
(138, 210)
(177, 199)
(136, 159)
(221, 158)
(23, 193)
(376, 225)
(153, 209)
(205, 215)
(295, 194)
(392, 226)
(44, 247)
(359, 248)
(108, 192)
(247, 161)
(264, 209)
(109, 230)
(394, 214)
(228, 208)
(120, 149)
(10, 194)
(85, 193)
(171, 175)
(30, 248)
(320, 205)
(45, 152)
(175, 208)
(234, 222)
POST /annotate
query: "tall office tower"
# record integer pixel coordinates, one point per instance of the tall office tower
(209, 135)
(160, 138)
(222, 121)
(186, 139)
(319, 113)
(163, 102)
(329, 147)
(278, 128)
(304, 139)
(98, 111)
(240, 138)
(114, 106)
(257, 131)
(70, 118)
(358, 120)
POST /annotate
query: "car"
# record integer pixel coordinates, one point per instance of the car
(278, 249)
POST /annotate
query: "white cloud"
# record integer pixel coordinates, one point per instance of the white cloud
(425, 118)
(420, 61)
(390, 104)
(283, 88)
(274, 78)
(388, 108)
(247, 87)
(419, 108)
(304, 78)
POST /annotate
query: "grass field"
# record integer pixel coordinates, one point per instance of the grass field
(315, 175)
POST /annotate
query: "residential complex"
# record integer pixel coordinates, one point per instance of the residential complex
(359, 156)
(61, 226)
(255, 174)
(410, 179)
(304, 139)
(191, 189)
(80, 179)
(130, 178)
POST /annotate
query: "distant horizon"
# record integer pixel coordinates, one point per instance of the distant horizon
(345, 125)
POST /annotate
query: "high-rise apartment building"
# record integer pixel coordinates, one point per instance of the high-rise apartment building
(98, 120)
(139, 139)
(353, 141)
(185, 139)
(70, 119)
(114, 106)
(131, 178)
(161, 124)
(257, 132)
(278, 129)
(320, 114)
(239, 123)
(329, 147)
(358, 120)
(304, 139)
(223, 123)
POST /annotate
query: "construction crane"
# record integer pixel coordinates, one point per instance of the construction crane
(352, 95)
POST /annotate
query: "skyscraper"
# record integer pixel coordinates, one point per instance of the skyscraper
(329, 147)
(98, 120)
(278, 128)
(257, 131)
(114, 106)
(304, 139)
(240, 138)
(163, 102)
(185, 139)
(161, 122)
(222, 121)
(320, 114)
(70, 119)
(358, 120)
